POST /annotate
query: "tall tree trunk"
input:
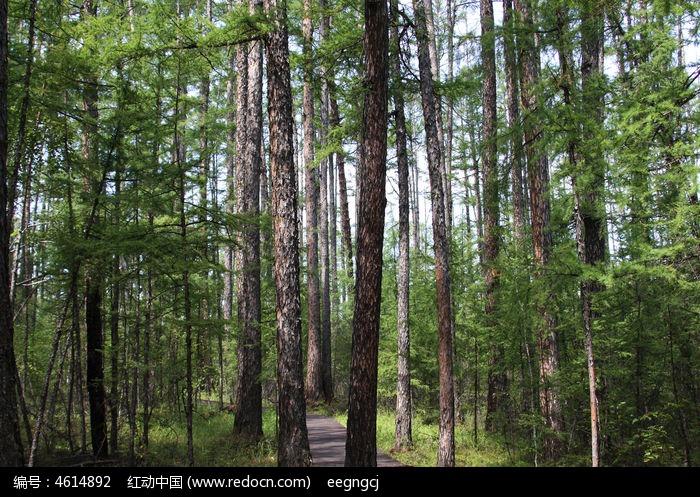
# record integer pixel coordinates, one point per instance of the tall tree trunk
(248, 421)
(434, 57)
(496, 376)
(113, 399)
(179, 159)
(93, 285)
(314, 378)
(538, 180)
(346, 235)
(514, 127)
(446, 442)
(95, 367)
(10, 438)
(403, 435)
(293, 438)
(361, 443)
(590, 195)
(203, 351)
(229, 256)
(326, 372)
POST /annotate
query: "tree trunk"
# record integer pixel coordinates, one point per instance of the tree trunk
(248, 421)
(346, 235)
(293, 439)
(10, 438)
(496, 376)
(591, 192)
(93, 288)
(95, 368)
(538, 180)
(361, 443)
(446, 443)
(514, 127)
(314, 378)
(326, 372)
(403, 436)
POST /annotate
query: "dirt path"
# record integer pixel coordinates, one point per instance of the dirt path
(327, 443)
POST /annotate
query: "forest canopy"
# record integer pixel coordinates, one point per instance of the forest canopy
(479, 217)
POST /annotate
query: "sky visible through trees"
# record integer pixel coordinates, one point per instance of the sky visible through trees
(181, 227)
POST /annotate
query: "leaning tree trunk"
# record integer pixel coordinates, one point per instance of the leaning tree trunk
(361, 443)
(293, 438)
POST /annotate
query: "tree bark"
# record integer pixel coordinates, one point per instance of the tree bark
(326, 372)
(10, 438)
(248, 421)
(361, 443)
(591, 193)
(293, 439)
(538, 182)
(496, 376)
(93, 286)
(446, 442)
(403, 436)
(314, 378)
(514, 127)
(346, 235)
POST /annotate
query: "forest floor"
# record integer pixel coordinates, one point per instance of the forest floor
(327, 443)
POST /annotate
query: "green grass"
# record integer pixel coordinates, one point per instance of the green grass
(486, 451)
(214, 443)
(216, 446)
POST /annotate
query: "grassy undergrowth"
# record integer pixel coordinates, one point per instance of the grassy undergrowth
(485, 451)
(215, 445)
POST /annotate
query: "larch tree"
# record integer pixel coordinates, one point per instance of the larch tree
(293, 438)
(538, 186)
(403, 435)
(248, 421)
(93, 278)
(589, 192)
(314, 374)
(361, 442)
(489, 170)
(446, 442)
(514, 127)
(10, 438)
(324, 239)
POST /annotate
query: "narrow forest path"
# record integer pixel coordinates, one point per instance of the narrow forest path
(327, 443)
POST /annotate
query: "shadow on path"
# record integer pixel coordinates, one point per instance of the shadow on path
(327, 443)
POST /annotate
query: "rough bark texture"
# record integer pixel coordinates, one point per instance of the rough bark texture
(314, 378)
(446, 442)
(346, 235)
(93, 288)
(514, 128)
(592, 212)
(293, 438)
(95, 368)
(403, 436)
(10, 439)
(248, 422)
(538, 182)
(326, 373)
(496, 376)
(361, 444)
